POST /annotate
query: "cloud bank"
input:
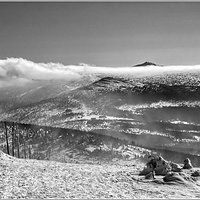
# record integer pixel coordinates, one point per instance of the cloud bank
(22, 69)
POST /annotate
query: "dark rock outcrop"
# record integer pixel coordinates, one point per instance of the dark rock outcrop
(187, 164)
(181, 177)
(196, 173)
(173, 177)
(150, 175)
(175, 167)
(161, 167)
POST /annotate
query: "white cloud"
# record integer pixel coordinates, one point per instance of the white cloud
(144, 71)
(19, 82)
(18, 67)
(25, 69)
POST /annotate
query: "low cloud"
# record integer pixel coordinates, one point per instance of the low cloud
(22, 69)
(17, 82)
(144, 71)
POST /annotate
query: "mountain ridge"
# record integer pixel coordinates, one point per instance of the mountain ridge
(146, 63)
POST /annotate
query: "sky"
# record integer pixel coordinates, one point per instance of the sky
(101, 33)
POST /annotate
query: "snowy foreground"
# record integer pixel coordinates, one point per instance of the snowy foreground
(21, 178)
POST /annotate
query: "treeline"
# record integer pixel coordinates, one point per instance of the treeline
(17, 141)
(25, 140)
(41, 142)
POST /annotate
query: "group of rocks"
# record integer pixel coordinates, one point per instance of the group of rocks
(171, 171)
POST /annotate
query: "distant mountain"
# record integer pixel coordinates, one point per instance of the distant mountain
(145, 64)
(16, 92)
(151, 111)
(67, 106)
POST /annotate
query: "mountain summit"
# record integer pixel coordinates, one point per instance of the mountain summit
(145, 64)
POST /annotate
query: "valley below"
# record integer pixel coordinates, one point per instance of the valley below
(156, 112)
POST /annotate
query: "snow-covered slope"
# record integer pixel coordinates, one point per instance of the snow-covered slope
(49, 179)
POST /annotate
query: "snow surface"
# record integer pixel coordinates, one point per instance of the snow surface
(33, 179)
